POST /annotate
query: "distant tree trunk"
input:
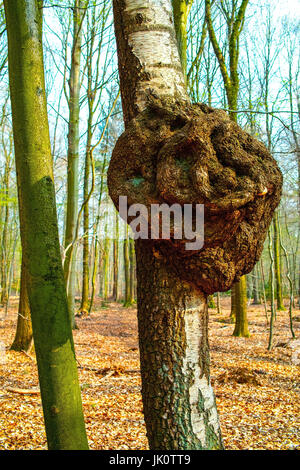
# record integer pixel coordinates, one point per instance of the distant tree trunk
(179, 404)
(241, 322)
(277, 264)
(273, 310)
(4, 241)
(23, 337)
(288, 275)
(233, 305)
(106, 265)
(73, 157)
(240, 308)
(132, 269)
(116, 259)
(96, 239)
(219, 303)
(52, 332)
(127, 301)
(84, 308)
(256, 297)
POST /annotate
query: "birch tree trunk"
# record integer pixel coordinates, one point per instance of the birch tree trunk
(179, 403)
(52, 332)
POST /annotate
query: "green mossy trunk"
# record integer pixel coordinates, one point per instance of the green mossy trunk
(52, 332)
(233, 306)
(211, 302)
(241, 322)
(23, 337)
(181, 10)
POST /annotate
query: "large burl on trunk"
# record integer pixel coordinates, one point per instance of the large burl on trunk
(174, 152)
(192, 154)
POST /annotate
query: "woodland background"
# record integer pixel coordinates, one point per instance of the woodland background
(83, 88)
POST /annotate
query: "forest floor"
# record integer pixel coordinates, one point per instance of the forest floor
(257, 391)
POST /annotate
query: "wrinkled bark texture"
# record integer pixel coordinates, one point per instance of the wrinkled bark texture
(179, 403)
(175, 152)
(193, 154)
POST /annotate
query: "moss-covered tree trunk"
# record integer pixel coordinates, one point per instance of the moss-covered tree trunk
(179, 403)
(241, 321)
(233, 306)
(181, 9)
(52, 332)
(23, 337)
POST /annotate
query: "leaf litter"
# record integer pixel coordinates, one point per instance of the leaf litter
(257, 391)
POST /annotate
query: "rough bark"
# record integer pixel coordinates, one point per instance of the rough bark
(192, 154)
(179, 402)
(52, 332)
(171, 151)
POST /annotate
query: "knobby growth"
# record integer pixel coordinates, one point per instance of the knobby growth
(192, 154)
